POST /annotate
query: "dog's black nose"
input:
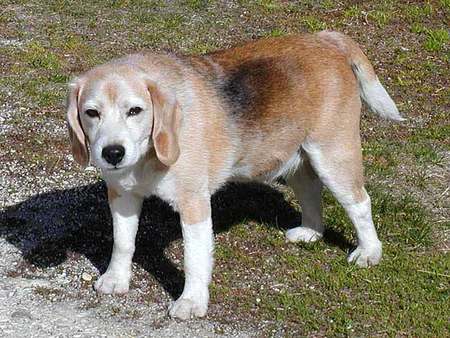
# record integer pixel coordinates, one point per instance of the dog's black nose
(113, 154)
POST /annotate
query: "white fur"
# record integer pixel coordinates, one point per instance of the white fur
(198, 263)
(287, 169)
(303, 234)
(198, 239)
(115, 127)
(308, 190)
(326, 172)
(125, 211)
(143, 180)
(369, 249)
(376, 97)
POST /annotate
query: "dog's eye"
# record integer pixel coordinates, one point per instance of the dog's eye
(134, 111)
(92, 113)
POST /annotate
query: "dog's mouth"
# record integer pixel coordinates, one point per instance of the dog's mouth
(115, 169)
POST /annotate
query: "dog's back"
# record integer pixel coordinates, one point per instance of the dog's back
(278, 91)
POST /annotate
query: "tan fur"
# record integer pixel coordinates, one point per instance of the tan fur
(111, 91)
(194, 210)
(112, 194)
(166, 124)
(305, 94)
(77, 137)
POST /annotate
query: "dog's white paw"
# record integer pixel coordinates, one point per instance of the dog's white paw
(112, 283)
(303, 234)
(367, 256)
(185, 308)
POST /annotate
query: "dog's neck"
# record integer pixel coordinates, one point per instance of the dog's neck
(143, 177)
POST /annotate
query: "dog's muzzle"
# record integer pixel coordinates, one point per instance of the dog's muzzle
(113, 154)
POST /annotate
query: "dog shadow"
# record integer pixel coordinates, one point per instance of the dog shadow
(46, 227)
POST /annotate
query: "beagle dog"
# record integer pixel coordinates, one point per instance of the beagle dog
(180, 127)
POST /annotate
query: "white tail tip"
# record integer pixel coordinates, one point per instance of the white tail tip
(374, 94)
(376, 97)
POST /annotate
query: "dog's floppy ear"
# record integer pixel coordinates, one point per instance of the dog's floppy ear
(166, 124)
(76, 134)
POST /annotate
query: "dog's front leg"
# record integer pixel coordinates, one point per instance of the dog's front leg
(125, 209)
(198, 242)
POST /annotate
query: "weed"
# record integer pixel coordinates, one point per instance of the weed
(416, 13)
(418, 28)
(276, 32)
(314, 24)
(327, 4)
(380, 17)
(197, 4)
(352, 12)
(39, 57)
(445, 4)
(268, 5)
(436, 39)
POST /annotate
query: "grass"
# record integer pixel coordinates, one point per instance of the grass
(295, 289)
(436, 39)
(418, 12)
(352, 12)
(314, 24)
(317, 292)
(380, 17)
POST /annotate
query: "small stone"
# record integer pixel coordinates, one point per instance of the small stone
(86, 277)
(21, 313)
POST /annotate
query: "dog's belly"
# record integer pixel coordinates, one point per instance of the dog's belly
(267, 169)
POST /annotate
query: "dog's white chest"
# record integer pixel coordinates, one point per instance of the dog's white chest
(144, 181)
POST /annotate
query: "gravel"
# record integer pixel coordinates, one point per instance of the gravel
(56, 239)
(23, 314)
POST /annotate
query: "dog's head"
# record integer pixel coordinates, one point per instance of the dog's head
(118, 113)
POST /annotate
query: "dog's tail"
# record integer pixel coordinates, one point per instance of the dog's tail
(370, 88)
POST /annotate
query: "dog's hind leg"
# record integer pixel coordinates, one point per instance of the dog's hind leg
(307, 188)
(339, 167)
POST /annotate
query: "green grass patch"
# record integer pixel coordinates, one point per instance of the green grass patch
(402, 220)
(39, 57)
(415, 13)
(310, 288)
(377, 157)
(436, 39)
(418, 28)
(380, 17)
(352, 12)
(445, 4)
(268, 5)
(314, 24)
(276, 32)
(436, 133)
(401, 295)
(197, 4)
